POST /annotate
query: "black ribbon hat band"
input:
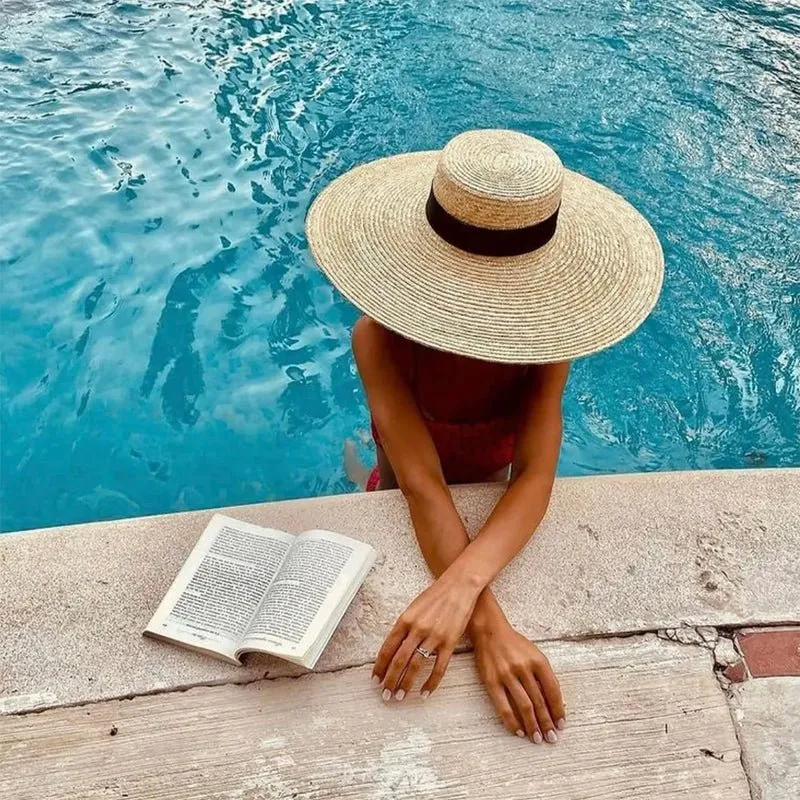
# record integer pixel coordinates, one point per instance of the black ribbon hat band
(488, 241)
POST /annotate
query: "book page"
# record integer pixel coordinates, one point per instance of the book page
(222, 583)
(317, 573)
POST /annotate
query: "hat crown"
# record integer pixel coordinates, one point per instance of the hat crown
(498, 179)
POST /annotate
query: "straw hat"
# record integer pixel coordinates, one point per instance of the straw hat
(488, 249)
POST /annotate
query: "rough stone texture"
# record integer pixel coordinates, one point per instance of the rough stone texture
(615, 554)
(771, 653)
(703, 636)
(767, 716)
(646, 719)
(725, 652)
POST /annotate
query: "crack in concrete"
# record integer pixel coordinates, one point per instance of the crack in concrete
(704, 636)
(180, 690)
(754, 793)
(720, 642)
(723, 648)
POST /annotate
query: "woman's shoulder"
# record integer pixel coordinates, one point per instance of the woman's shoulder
(370, 340)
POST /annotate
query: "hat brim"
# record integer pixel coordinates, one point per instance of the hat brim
(593, 284)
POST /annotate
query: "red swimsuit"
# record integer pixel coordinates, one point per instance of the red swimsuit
(468, 451)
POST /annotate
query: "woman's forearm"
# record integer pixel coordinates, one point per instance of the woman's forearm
(442, 539)
(438, 526)
(517, 515)
(508, 529)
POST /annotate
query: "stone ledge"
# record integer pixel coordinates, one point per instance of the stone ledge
(646, 718)
(616, 554)
(766, 713)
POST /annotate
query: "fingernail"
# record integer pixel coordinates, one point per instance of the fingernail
(387, 695)
(537, 738)
(562, 723)
(521, 734)
(426, 694)
(552, 737)
(376, 680)
(400, 695)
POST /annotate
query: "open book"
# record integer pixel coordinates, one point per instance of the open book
(247, 589)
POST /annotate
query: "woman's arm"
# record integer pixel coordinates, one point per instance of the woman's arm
(412, 454)
(438, 526)
(519, 512)
(517, 675)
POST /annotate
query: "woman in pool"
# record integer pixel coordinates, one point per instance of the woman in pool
(482, 271)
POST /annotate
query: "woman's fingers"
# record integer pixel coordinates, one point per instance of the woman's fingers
(400, 663)
(443, 657)
(388, 650)
(523, 704)
(552, 693)
(533, 691)
(497, 693)
(417, 662)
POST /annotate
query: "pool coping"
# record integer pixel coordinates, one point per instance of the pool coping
(615, 555)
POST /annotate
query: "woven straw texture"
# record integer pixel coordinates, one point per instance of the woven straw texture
(593, 284)
(498, 179)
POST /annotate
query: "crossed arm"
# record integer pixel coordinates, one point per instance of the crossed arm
(517, 675)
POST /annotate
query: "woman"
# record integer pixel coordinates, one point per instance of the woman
(482, 271)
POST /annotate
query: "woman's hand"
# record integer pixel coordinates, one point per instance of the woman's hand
(520, 682)
(434, 622)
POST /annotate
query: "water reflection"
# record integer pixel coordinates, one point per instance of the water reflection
(167, 342)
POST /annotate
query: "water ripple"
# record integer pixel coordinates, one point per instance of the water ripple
(167, 343)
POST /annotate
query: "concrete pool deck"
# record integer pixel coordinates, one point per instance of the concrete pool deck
(644, 590)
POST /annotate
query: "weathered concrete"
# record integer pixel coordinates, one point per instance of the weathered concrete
(615, 554)
(767, 716)
(646, 719)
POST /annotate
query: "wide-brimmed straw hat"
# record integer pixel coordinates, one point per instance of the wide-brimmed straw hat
(488, 248)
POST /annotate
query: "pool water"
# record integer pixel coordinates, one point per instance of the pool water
(166, 341)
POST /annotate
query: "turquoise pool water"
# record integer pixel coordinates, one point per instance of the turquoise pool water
(166, 341)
